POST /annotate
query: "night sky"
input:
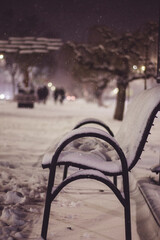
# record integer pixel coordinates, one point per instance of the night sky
(71, 19)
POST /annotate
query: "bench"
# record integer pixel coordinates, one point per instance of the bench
(106, 155)
(156, 169)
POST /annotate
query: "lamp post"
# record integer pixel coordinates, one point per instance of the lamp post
(2, 60)
(158, 60)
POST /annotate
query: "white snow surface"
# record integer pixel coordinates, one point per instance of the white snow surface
(26, 135)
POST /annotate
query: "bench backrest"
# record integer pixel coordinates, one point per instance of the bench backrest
(137, 123)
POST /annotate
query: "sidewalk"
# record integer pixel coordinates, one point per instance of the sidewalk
(87, 209)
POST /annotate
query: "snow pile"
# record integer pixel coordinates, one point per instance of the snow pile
(12, 216)
(13, 197)
(18, 197)
(26, 134)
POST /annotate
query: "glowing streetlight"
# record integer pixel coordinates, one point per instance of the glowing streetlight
(49, 84)
(2, 96)
(53, 88)
(143, 68)
(2, 60)
(115, 91)
(1, 56)
(135, 67)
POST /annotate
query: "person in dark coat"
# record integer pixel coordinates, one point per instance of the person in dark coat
(42, 93)
(59, 95)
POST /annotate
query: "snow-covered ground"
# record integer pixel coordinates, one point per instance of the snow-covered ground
(85, 209)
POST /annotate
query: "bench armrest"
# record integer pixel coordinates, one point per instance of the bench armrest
(95, 121)
(87, 132)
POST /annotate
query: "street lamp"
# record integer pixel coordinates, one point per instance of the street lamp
(49, 84)
(1, 56)
(143, 68)
(53, 88)
(158, 60)
(2, 60)
(135, 67)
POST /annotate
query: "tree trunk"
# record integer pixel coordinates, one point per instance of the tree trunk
(24, 70)
(26, 77)
(13, 86)
(120, 103)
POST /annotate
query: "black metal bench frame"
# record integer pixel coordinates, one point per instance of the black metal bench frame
(124, 199)
(87, 172)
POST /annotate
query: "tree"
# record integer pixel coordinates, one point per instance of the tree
(84, 66)
(126, 56)
(140, 48)
(13, 69)
(114, 57)
(147, 38)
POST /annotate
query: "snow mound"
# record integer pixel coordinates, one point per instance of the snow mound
(12, 216)
(13, 197)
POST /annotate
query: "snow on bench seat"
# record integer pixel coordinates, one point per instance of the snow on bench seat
(90, 160)
(89, 152)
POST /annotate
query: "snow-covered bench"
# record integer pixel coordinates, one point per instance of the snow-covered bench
(96, 159)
